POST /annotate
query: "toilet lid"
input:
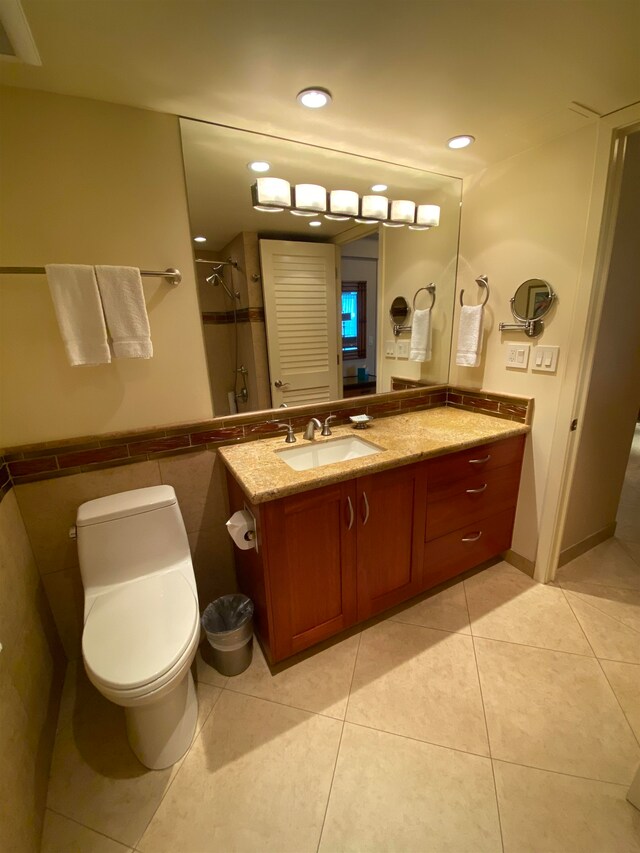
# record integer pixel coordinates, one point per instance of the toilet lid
(135, 633)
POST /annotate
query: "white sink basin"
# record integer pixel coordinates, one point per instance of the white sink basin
(313, 455)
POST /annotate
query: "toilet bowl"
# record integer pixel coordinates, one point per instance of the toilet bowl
(141, 621)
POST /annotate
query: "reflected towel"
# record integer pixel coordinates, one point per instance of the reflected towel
(125, 311)
(470, 335)
(421, 335)
(79, 313)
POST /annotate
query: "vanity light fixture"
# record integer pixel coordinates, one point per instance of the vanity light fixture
(199, 239)
(271, 194)
(314, 98)
(460, 141)
(379, 188)
(315, 224)
(259, 166)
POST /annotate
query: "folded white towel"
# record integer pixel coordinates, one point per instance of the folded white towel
(421, 335)
(79, 312)
(470, 335)
(125, 311)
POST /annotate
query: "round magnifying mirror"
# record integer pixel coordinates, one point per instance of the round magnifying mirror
(532, 300)
(399, 310)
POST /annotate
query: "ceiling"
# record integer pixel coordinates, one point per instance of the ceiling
(405, 74)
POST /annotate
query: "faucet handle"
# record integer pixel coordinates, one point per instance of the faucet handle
(290, 439)
(325, 426)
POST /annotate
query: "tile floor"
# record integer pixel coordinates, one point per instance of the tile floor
(495, 714)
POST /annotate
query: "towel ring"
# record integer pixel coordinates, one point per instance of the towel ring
(481, 281)
(430, 288)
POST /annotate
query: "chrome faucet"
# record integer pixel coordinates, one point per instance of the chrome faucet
(325, 425)
(312, 426)
(290, 439)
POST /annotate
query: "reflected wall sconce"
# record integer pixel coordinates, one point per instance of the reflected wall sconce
(273, 195)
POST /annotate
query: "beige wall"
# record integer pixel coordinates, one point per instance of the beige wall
(614, 389)
(525, 218)
(413, 259)
(30, 682)
(90, 182)
(49, 508)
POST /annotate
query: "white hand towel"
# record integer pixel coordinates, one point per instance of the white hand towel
(470, 335)
(125, 311)
(421, 335)
(79, 312)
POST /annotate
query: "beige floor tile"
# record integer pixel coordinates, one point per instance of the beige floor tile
(506, 604)
(608, 564)
(95, 777)
(206, 672)
(554, 711)
(620, 604)
(318, 682)
(394, 794)
(421, 683)
(445, 608)
(61, 835)
(624, 678)
(609, 637)
(257, 778)
(545, 812)
(633, 548)
(627, 526)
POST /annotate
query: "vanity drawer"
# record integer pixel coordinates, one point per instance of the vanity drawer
(445, 472)
(463, 549)
(478, 496)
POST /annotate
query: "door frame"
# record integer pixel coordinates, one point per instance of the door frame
(592, 281)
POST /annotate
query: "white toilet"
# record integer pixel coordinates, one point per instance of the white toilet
(141, 620)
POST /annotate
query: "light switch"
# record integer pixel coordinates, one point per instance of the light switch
(546, 359)
(518, 356)
(402, 349)
(390, 349)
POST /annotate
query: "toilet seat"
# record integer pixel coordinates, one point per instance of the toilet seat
(134, 634)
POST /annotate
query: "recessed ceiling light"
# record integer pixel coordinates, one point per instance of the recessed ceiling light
(460, 141)
(259, 166)
(199, 239)
(316, 223)
(314, 98)
(379, 188)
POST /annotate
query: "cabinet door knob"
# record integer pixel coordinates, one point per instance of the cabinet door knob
(366, 509)
(350, 505)
(473, 538)
(477, 491)
(480, 461)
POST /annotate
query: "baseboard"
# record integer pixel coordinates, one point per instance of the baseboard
(587, 544)
(519, 562)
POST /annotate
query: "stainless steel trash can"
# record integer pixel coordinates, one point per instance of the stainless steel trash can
(228, 624)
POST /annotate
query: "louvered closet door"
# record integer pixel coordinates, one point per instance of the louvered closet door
(301, 298)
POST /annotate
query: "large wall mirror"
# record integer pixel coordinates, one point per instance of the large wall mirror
(295, 309)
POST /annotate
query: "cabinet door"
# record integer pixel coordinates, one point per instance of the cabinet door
(390, 538)
(311, 566)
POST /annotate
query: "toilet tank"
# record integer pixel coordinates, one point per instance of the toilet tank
(128, 535)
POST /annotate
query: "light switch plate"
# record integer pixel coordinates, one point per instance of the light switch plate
(390, 349)
(545, 359)
(402, 349)
(517, 356)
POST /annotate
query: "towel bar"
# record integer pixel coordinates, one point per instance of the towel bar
(173, 276)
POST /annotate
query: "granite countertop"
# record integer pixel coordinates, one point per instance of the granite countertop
(407, 438)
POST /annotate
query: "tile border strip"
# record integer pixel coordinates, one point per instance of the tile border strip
(49, 460)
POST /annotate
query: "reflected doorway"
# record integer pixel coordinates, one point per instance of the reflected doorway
(359, 275)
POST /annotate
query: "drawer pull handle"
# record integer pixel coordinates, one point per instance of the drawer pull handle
(350, 505)
(366, 509)
(477, 491)
(480, 461)
(473, 538)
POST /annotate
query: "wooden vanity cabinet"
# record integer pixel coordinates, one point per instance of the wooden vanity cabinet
(331, 557)
(336, 555)
(471, 505)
